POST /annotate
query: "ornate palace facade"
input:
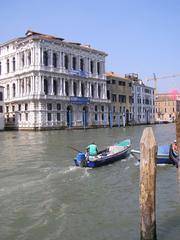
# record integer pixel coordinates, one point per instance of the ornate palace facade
(51, 83)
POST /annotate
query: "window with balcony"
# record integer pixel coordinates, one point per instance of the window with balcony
(45, 58)
(58, 106)
(92, 90)
(49, 106)
(92, 67)
(22, 59)
(54, 60)
(67, 88)
(14, 64)
(74, 63)
(75, 89)
(82, 90)
(49, 117)
(45, 86)
(55, 87)
(26, 107)
(98, 68)
(82, 64)
(7, 63)
(14, 89)
(29, 58)
(7, 91)
(99, 91)
(66, 62)
(1, 109)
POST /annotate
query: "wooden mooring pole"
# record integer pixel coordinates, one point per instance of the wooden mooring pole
(178, 141)
(147, 196)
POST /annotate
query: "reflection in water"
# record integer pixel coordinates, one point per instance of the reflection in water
(44, 196)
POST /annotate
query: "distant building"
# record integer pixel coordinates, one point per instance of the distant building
(119, 91)
(166, 106)
(178, 104)
(1, 108)
(51, 83)
(143, 110)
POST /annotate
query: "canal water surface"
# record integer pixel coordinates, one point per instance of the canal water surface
(44, 196)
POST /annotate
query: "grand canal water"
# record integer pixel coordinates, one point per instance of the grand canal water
(44, 196)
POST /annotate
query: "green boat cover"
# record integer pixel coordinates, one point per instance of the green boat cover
(124, 143)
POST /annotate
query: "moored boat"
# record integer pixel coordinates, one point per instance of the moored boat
(165, 155)
(109, 155)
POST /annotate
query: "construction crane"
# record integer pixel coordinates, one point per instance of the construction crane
(162, 77)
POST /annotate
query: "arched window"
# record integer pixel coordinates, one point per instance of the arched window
(55, 87)
(14, 89)
(29, 86)
(54, 60)
(67, 88)
(46, 86)
(99, 91)
(14, 64)
(29, 58)
(66, 63)
(22, 59)
(98, 68)
(92, 90)
(7, 65)
(45, 58)
(82, 89)
(82, 64)
(22, 86)
(75, 89)
(74, 63)
(92, 67)
(7, 91)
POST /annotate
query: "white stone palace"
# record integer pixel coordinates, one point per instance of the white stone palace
(1, 108)
(50, 83)
(143, 108)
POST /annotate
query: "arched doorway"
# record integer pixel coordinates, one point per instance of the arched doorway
(127, 116)
(69, 116)
(85, 116)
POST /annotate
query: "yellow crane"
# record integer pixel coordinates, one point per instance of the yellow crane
(161, 77)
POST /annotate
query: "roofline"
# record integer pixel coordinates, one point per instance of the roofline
(36, 35)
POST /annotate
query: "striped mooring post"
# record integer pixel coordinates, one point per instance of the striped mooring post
(147, 196)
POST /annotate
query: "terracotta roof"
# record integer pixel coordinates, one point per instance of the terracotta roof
(30, 33)
(115, 75)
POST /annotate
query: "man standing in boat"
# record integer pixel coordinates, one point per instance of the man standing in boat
(92, 151)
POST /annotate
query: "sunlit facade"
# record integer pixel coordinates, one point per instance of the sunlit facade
(51, 83)
(143, 109)
(166, 105)
(1, 108)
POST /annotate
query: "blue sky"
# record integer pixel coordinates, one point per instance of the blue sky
(140, 36)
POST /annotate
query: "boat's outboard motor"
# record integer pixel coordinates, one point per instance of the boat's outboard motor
(81, 159)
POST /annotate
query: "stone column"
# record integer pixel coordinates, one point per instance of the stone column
(64, 86)
(59, 60)
(95, 68)
(72, 89)
(90, 89)
(80, 94)
(50, 58)
(70, 62)
(40, 59)
(78, 63)
(51, 88)
(96, 90)
(62, 60)
(60, 87)
(40, 80)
